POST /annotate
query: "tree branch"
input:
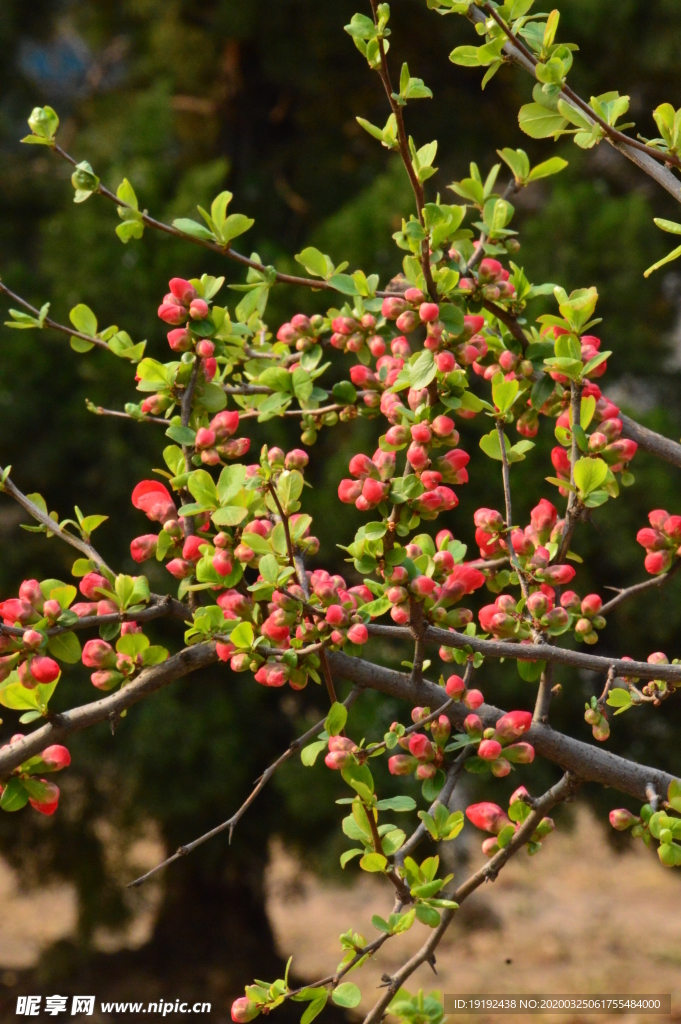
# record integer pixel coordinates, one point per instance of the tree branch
(47, 322)
(638, 588)
(588, 762)
(232, 822)
(61, 726)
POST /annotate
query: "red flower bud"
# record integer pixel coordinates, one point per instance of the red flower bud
(622, 819)
(180, 340)
(392, 307)
(243, 1010)
(41, 669)
(489, 750)
(455, 687)
(179, 568)
(473, 699)
(429, 311)
(56, 757)
(513, 724)
(420, 747)
(657, 562)
(171, 313)
(205, 348)
(144, 547)
(487, 816)
(443, 426)
(154, 500)
(198, 310)
(358, 634)
(98, 654)
(401, 764)
(591, 605)
(407, 321)
(47, 800)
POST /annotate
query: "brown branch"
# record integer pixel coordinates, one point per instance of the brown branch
(401, 887)
(650, 441)
(638, 588)
(232, 822)
(159, 608)
(588, 762)
(533, 652)
(508, 320)
(99, 410)
(543, 701)
(61, 726)
(506, 477)
(574, 505)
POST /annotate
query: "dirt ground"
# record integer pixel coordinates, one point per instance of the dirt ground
(577, 918)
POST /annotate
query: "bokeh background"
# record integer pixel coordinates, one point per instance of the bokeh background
(185, 99)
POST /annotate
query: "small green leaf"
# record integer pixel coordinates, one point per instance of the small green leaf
(336, 719)
(310, 753)
(373, 862)
(65, 647)
(242, 635)
(589, 474)
(347, 995)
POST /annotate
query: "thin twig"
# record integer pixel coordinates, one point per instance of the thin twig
(47, 322)
(232, 822)
(638, 588)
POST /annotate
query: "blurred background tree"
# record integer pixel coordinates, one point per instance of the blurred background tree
(187, 98)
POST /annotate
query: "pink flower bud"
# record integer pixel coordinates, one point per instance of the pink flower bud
(417, 456)
(358, 634)
(487, 816)
(98, 654)
(407, 321)
(106, 679)
(455, 687)
(335, 615)
(557, 574)
(190, 548)
(171, 313)
(401, 764)
(445, 362)
(422, 586)
(473, 699)
(489, 750)
(440, 730)
(513, 724)
(179, 568)
(30, 591)
(41, 669)
(243, 1010)
(182, 289)
(543, 516)
(622, 819)
(473, 726)
(154, 500)
(205, 438)
(225, 424)
(296, 459)
(361, 466)
(443, 426)
(180, 340)
(374, 491)
(591, 605)
(48, 799)
(91, 583)
(32, 638)
(429, 311)
(392, 307)
(198, 310)
(519, 753)
(421, 433)
(420, 747)
(657, 562)
(571, 601)
(222, 563)
(52, 609)
(56, 756)
(205, 348)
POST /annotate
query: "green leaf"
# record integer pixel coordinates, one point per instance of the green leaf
(65, 647)
(43, 122)
(344, 393)
(491, 446)
(314, 261)
(14, 796)
(230, 515)
(673, 255)
(202, 486)
(538, 122)
(84, 320)
(378, 607)
(504, 395)
(193, 228)
(336, 719)
(235, 225)
(349, 855)
(427, 915)
(619, 698)
(373, 862)
(360, 779)
(314, 1008)
(183, 435)
(347, 995)
(242, 635)
(396, 803)
(589, 474)
(309, 754)
(547, 168)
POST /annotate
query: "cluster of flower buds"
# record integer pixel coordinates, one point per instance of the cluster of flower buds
(662, 540)
(492, 282)
(455, 687)
(652, 825)
(301, 331)
(437, 593)
(182, 303)
(111, 668)
(26, 653)
(498, 747)
(595, 716)
(27, 787)
(586, 612)
(357, 334)
(425, 755)
(489, 817)
(605, 442)
(371, 485)
(590, 346)
(412, 310)
(215, 442)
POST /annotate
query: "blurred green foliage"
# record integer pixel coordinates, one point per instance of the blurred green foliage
(185, 98)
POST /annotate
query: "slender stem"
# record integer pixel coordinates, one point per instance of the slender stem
(574, 505)
(51, 526)
(284, 521)
(222, 250)
(613, 133)
(328, 678)
(47, 322)
(401, 887)
(403, 144)
(543, 701)
(232, 822)
(508, 320)
(638, 588)
(161, 607)
(509, 510)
